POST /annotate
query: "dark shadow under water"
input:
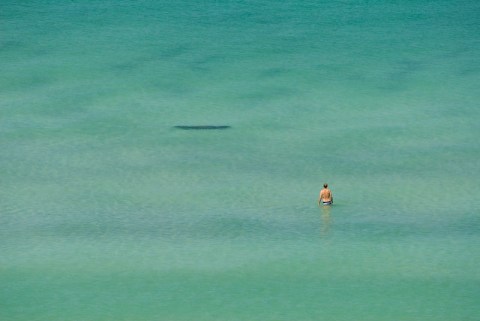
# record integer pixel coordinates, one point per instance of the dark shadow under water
(202, 127)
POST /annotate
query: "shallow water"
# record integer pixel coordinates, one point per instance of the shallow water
(109, 212)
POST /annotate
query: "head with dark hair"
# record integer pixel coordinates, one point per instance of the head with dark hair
(325, 185)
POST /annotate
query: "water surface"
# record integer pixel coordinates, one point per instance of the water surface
(109, 212)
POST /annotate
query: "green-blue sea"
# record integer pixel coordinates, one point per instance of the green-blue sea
(108, 212)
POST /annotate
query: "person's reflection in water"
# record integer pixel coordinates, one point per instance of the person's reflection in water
(326, 221)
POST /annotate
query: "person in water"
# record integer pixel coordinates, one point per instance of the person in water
(325, 197)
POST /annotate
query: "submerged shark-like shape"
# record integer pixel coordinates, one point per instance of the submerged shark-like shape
(201, 127)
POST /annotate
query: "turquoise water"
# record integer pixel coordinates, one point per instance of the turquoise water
(108, 212)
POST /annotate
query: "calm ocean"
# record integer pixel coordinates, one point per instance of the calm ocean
(108, 212)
